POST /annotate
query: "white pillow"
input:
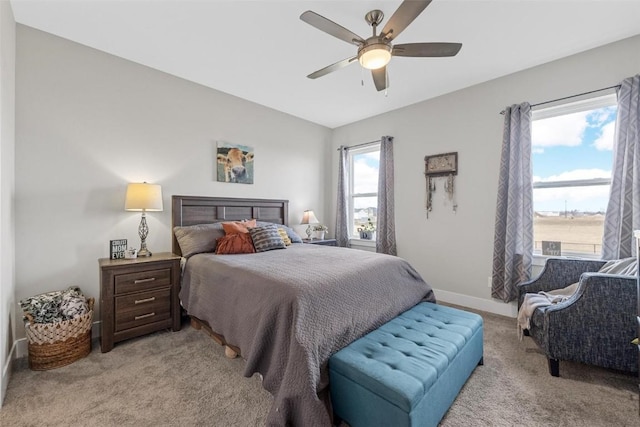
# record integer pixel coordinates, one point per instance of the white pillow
(624, 267)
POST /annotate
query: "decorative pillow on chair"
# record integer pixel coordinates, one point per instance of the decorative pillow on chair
(235, 243)
(238, 226)
(196, 239)
(623, 267)
(285, 237)
(266, 238)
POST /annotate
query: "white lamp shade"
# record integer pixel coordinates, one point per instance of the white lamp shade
(143, 197)
(308, 217)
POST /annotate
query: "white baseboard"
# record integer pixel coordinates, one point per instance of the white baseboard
(491, 306)
(6, 373)
(22, 346)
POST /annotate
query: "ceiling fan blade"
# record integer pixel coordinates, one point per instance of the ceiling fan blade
(426, 49)
(380, 78)
(331, 68)
(402, 17)
(330, 27)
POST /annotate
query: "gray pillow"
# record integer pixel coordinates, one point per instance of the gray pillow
(624, 267)
(197, 239)
(295, 237)
(266, 238)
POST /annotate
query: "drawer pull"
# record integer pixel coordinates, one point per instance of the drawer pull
(144, 316)
(150, 279)
(140, 301)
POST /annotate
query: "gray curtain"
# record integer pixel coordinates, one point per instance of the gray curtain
(386, 226)
(342, 226)
(623, 210)
(513, 242)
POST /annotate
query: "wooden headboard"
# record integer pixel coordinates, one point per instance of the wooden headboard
(191, 210)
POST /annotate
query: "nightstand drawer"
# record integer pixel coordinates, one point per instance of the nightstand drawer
(142, 280)
(142, 308)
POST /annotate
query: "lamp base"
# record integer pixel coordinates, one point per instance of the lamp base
(143, 231)
(144, 252)
(309, 237)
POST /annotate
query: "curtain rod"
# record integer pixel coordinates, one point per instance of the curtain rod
(357, 145)
(570, 96)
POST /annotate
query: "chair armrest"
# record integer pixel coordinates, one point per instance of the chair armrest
(557, 274)
(600, 315)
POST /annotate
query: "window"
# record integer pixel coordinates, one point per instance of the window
(572, 157)
(363, 163)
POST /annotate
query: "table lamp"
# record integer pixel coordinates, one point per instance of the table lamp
(308, 217)
(143, 197)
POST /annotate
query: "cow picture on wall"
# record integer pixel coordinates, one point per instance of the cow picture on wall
(234, 163)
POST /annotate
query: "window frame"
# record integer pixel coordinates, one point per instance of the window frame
(565, 108)
(363, 149)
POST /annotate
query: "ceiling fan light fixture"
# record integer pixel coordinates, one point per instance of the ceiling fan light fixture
(374, 56)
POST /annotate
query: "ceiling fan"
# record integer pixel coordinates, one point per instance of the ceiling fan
(375, 52)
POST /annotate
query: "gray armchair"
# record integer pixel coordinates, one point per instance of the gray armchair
(595, 326)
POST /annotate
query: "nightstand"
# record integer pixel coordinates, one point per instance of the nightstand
(324, 242)
(138, 296)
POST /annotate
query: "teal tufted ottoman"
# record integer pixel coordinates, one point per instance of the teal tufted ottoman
(409, 371)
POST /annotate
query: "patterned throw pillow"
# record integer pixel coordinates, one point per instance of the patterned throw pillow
(266, 238)
(235, 243)
(238, 226)
(295, 237)
(285, 238)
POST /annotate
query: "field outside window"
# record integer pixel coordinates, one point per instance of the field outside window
(363, 166)
(572, 155)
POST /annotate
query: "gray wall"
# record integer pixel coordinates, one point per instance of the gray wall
(7, 146)
(453, 252)
(88, 123)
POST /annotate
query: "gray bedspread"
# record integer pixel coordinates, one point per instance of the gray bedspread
(289, 310)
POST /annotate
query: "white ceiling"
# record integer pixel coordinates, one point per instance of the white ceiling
(261, 51)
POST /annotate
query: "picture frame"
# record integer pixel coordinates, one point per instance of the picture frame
(234, 163)
(117, 248)
(551, 248)
(441, 164)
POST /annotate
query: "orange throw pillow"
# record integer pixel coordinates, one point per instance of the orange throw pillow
(235, 243)
(238, 226)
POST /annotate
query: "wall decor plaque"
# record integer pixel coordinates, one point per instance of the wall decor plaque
(441, 164)
(438, 166)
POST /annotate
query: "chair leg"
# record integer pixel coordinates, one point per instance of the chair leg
(554, 367)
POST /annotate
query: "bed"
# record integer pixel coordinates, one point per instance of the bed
(287, 311)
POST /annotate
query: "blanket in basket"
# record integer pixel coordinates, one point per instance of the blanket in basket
(54, 307)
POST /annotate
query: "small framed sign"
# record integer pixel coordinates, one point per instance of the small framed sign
(117, 248)
(551, 248)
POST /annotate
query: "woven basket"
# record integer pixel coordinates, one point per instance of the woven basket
(52, 345)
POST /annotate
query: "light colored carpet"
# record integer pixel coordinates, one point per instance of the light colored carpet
(183, 379)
